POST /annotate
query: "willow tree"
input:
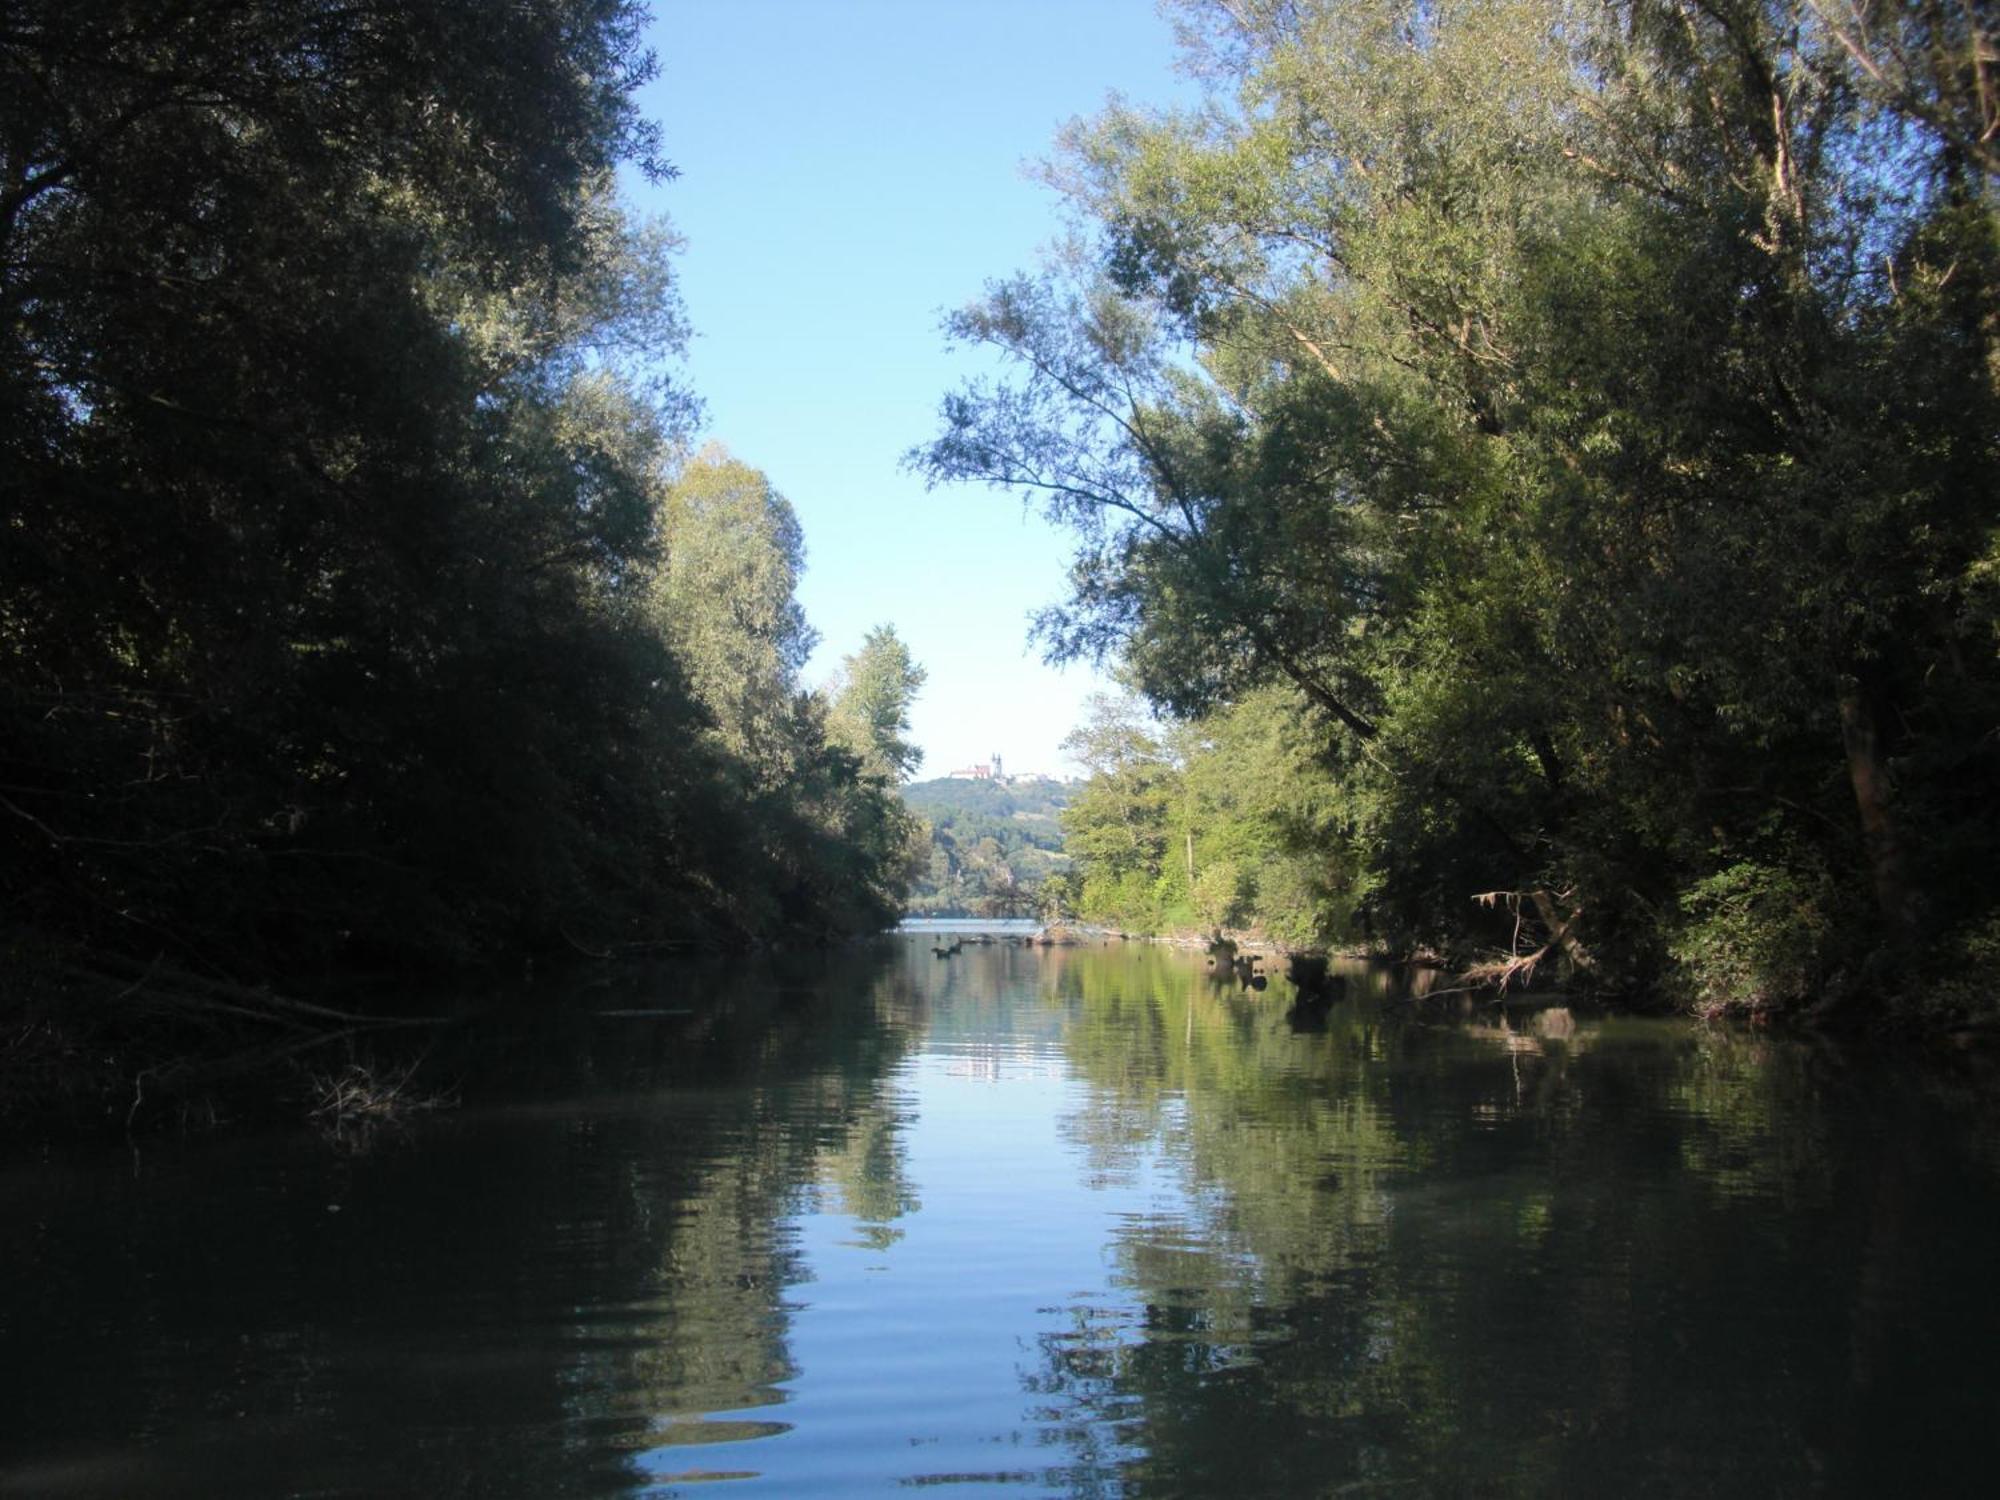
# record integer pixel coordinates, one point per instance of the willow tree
(1588, 409)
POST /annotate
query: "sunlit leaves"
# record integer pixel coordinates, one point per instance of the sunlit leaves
(1569, 402)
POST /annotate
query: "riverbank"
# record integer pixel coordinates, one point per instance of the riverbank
(96, 1043)
(1951, 1002)
(103, 1043)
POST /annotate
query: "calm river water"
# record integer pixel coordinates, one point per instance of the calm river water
(1055, 1221)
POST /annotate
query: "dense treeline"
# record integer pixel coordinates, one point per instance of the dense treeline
(1557, 443)
(1222, 823)
(994, 846)
(358, 599)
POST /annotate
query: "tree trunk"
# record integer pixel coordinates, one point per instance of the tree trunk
(1562, 930)
(1874, 795)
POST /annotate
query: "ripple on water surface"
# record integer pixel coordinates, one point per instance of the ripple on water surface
(1063, 1221)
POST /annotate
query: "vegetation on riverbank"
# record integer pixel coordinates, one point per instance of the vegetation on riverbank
(363, 604)
(1542, 460)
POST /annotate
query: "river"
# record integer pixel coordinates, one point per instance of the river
(1050, 1221)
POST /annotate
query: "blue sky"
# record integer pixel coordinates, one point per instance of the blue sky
(851, 169)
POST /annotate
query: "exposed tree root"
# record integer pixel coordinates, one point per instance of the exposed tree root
(94, 1041)
(1518, 968)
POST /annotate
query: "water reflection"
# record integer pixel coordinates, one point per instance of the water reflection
(1531, 1254)
(1069, 1221)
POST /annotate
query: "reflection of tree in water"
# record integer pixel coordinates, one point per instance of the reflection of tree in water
(815, 1111)
(1530, 1256)
(869, 1171)
(509, 1300)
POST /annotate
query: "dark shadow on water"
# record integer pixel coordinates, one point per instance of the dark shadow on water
(501, 1299)
(767, 1223)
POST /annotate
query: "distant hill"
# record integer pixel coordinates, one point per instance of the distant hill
(993, 843)
(990, 798)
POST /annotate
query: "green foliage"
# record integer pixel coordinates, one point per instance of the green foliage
(1056, 901)
(871, 704)
(994, 847)
(1752, 936)
(1224, 822)
(723, 599)
(1960, 985)
(1586, 412)
(356, 603)
(1221, 895)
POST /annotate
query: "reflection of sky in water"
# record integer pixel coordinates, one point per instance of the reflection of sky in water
(912, 1355)
(1161, 1242)
(1073, 1222)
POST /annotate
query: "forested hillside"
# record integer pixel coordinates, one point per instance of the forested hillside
(1542, 457)
(360, 599)
(993, 845)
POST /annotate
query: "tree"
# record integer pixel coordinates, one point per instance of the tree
(1530, 386)
(724, 597)
(339, 613)
(1117, 827)
(871, 704)
(1020, 823)
(1055, 901)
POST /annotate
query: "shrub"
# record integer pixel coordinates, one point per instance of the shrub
(1221, 895)
(1753, 936)
(1961, 982)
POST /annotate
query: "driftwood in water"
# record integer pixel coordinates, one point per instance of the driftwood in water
(162, 987)
(1518, 967)
(115, 1036)
(1306, 970)
(1312, 975)
(1249, 971)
